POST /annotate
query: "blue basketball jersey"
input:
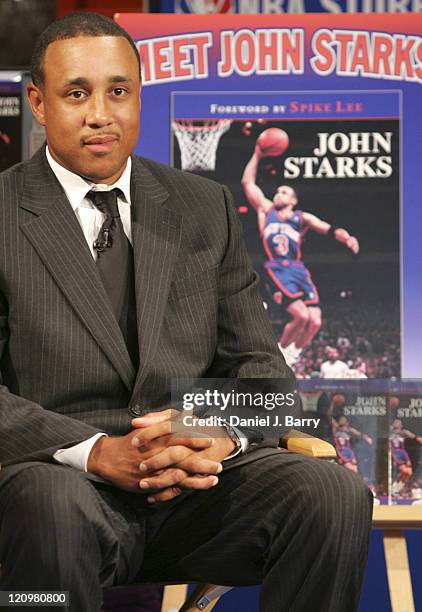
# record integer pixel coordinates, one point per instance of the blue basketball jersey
(282, 239)
(342, 436)
(397, 439)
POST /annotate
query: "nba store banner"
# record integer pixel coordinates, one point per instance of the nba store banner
(279, 7)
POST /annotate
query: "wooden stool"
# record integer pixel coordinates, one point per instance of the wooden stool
(393, 520)
(204, 597)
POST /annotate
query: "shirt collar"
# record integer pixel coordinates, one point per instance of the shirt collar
(77, 187)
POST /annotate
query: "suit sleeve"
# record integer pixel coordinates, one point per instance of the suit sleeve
(27, 430)
(247, 347)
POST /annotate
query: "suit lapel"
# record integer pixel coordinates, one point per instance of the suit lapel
(156, 232)
(56, 235)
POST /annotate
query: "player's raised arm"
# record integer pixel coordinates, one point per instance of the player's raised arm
(361, 435)
(254, 194)
(334, 425)
(339, 233)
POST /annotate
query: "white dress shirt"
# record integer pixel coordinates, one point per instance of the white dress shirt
(89, 217)
(91, 221)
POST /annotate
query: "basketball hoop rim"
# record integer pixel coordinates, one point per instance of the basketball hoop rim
(198, 143)
(196, 128)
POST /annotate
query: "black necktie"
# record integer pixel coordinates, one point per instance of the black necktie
(115, 265)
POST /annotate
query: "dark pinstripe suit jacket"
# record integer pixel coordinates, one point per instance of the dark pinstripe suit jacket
(66, 372)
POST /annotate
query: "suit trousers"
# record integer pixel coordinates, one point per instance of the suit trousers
(297, 525)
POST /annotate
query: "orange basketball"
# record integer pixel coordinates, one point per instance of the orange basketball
(338, 400)
(273, 142)
(394, 402)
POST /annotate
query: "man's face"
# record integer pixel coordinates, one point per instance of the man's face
(89, 104)
(284, 196)
(332, 354)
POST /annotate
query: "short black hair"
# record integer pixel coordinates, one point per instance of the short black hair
(72, 26)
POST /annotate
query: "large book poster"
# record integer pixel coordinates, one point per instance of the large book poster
(313, 122)
(405, 448)
(341, 170)
(354, 416)
(376, 429)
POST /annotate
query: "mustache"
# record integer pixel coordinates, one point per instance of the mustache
(101, 134)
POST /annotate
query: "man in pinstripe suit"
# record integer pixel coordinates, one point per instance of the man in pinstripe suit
(80, 510)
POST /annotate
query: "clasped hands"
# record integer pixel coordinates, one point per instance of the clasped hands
(161, 457)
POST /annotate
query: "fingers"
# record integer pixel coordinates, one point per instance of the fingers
(353, 245)
(152, 432)
(193, 442)
(199, 482)
(167, 478)
(191, 482)
(163, 459)
(183, 458)
(165, 495)
(152, 418)
(165, 427)
(195, 464)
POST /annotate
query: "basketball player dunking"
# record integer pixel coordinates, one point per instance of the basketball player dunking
(282, 229)
(342, 433)
(402, 466)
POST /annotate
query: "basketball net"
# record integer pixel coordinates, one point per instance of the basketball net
(198, 143)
